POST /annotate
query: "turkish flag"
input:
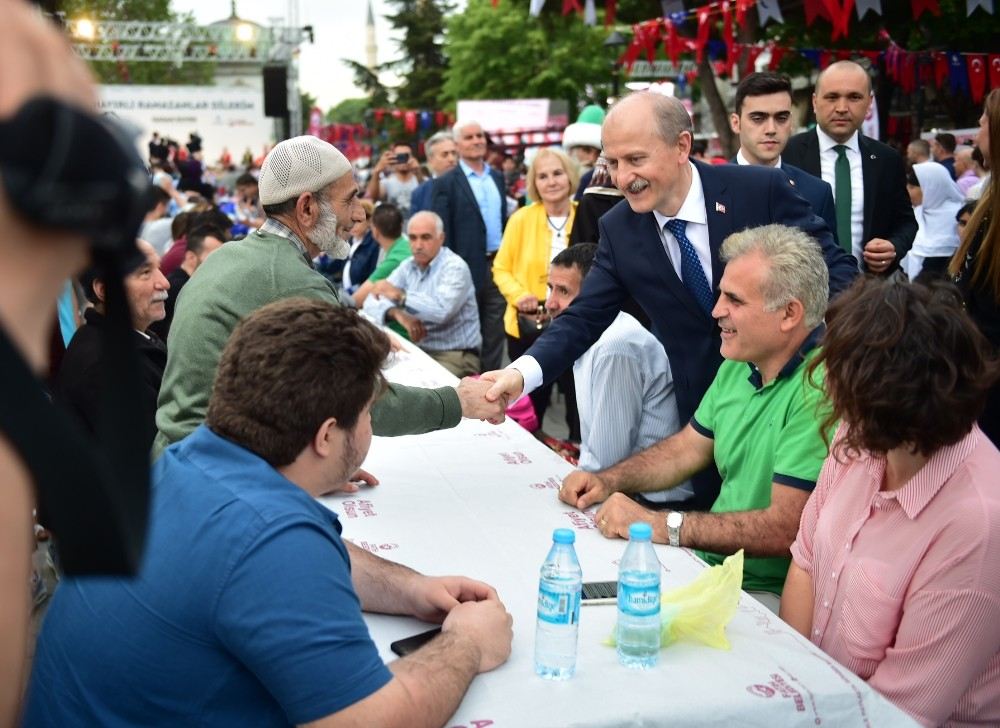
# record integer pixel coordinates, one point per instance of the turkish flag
(940, 69)
(977, 75)
(995, 71)
(816, 9)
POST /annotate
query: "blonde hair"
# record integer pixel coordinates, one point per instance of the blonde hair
(569, 166)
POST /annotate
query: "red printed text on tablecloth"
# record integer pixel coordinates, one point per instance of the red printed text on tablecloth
(374, 548)
(474, 724)
(549, 483)
(777, 686)
(358, 509)
(582, 521)
(515, 458)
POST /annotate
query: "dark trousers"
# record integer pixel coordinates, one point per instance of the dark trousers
(491, 309)
(541, 397)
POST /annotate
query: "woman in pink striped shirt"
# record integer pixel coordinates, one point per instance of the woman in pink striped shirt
(896, 566)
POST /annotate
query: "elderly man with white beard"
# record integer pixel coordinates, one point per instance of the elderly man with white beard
(310, 197)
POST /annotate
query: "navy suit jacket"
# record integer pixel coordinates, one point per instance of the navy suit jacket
(888, 212)
(817, 193)
(421, 198)
(464, 229)
(631, 261)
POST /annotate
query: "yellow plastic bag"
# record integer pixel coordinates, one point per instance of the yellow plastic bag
(700, 611)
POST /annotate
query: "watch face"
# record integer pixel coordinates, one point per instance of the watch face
(674, 519)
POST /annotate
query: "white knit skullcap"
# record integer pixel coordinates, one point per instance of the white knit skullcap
(297, 165)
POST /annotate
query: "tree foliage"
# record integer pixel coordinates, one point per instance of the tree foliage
(503, 53)
(422, 63)
(348, 111)
(368, 81)
(116, 72)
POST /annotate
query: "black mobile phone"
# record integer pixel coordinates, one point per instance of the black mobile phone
(600, 592)
(407, 645)
(402, 158)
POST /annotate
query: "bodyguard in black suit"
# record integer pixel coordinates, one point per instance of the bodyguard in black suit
(887, 226)
(474, 238)
(762, 118)
(647, 139)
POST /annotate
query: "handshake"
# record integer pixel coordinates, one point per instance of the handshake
(487, 398)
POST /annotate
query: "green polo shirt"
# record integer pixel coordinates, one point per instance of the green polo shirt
(399, 252)
(764, 433)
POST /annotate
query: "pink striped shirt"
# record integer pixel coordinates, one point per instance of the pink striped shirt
(906, 584)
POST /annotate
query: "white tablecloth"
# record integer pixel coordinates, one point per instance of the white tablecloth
(480, 501)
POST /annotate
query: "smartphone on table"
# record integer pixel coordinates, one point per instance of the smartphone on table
(407, 645)
(600, 592)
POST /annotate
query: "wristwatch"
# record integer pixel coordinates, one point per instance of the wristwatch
(674, 521)
(402, 299)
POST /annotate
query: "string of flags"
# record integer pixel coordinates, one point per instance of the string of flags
(414, 119)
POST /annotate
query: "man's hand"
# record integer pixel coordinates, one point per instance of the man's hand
(581, 489)
(506, 386)
(414, 326)
(527, 304)
(472, 395)
(387, 290)
(487, 625)
(620, 512)
(388, 158)
(879, 254)
(362, 477)
(433, 597)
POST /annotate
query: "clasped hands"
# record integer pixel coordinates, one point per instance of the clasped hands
(581, 490)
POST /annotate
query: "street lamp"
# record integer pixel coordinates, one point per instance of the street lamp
(615, 42)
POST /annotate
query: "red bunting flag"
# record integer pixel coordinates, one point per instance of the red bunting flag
(741, 10)
(977, 75)
(570, 5)
(920, 6)
(777, 53)
(648, 38)
(825, 59)
(379, 115)
(609, 13)
(753, 52)
(994, 70)
(701, 39)
(671, 43)
(940, 69)
(815, 9)
(732, 52)
(840, 16)
(410, 121)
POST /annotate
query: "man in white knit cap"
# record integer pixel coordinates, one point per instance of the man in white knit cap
(310, 197)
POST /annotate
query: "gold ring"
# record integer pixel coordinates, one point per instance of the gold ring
(604, 521)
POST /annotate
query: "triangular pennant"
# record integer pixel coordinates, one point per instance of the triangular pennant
(815, 9)
(768, 10)
(976, 63)
(702, 36)
(972, 5)
(863, 6)
(921, 6)
(995, 70)
(589, 13)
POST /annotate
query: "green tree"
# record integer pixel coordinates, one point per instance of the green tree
(503, 53)
(368, 81)
(112, 72)
(348, 111)
(423, 63)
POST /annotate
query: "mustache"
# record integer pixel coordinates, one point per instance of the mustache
(636, 186)
(159, 296)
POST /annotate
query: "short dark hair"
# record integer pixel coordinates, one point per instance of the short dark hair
(388, 220)
(580, 255)
(196, 238)
(761, 83)
(157, 196)
(180, 225)
(966, 209)
(287, 368)
(246, 179)
(918, 378)
(947, 141)
(213, 218)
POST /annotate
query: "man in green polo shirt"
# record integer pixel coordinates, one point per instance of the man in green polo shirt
(758, 422)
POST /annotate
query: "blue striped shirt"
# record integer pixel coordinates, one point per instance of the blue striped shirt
(441, 296)
(488, 198)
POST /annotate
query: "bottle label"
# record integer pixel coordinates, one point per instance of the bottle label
(639, 601)
(558, 607)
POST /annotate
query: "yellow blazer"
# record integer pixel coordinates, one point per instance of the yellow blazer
(521, 265)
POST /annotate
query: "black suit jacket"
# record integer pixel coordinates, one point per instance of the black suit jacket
(631, 261)
(888, 212)
(464, 228)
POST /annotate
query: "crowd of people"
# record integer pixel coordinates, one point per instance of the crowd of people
(794, 353)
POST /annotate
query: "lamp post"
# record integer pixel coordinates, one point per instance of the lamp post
(616, 41)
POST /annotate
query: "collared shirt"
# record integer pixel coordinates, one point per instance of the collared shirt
(625, 393)
(441, 296)
(827, 160)
(275, 227)
(905, 583)
(744, 162)
(763, 434)
(488, 198)
(692, 211)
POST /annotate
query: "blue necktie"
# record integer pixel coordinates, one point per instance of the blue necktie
(692, 273)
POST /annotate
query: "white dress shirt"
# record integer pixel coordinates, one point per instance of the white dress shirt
(827, 160)
(692, 211)
(625, 393)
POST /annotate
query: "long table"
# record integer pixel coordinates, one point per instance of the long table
(480, 500)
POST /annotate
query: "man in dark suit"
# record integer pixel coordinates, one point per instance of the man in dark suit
(662, 248)
(763, 120)
(874, 217)
(471, 201)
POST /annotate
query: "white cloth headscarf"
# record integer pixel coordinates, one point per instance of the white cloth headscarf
(937, 234)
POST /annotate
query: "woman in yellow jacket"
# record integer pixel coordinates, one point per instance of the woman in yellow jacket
(534, 235)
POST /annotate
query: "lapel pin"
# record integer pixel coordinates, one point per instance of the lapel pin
(874, 157)
(719, 207)
(791, 181)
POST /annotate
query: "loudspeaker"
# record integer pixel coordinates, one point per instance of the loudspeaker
(276, 91)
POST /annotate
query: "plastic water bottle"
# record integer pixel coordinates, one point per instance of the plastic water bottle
(558, 609)
(638, 634)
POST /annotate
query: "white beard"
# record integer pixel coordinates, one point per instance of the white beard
(325, 235)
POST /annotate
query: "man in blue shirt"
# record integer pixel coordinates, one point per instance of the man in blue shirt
(431, 295)
(470, 199)
(248, 607)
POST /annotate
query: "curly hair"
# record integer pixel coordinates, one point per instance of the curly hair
(287, 368)
(905, 366)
